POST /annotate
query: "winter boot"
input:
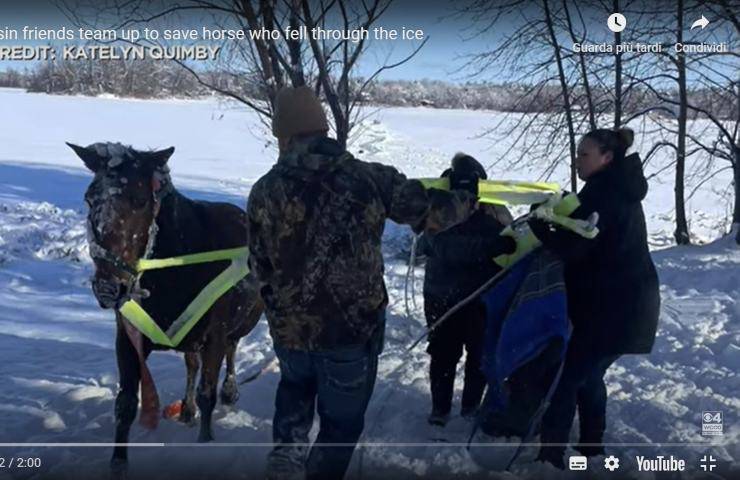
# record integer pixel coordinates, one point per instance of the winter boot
(553, 456)
(590, 443)
(469, 412)
(287, 463)
(438, 418)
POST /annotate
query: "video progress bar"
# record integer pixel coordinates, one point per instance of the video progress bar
(440, 443)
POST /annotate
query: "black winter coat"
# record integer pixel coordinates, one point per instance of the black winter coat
(612, 284)
(461, 258)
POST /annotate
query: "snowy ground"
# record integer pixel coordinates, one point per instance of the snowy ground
(57, 363)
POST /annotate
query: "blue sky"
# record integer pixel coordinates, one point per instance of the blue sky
(442, 57)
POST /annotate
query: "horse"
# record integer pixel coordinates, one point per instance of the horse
(135, 212)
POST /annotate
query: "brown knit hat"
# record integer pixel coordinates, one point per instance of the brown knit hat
(297, 112)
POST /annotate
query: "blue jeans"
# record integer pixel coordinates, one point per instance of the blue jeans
(338, 384)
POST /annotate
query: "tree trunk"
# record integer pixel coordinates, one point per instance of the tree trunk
(294, 47)
(682, 231)
(736, 184)
(341, 122)
(736, 180)
(566, 96)
(272, 78)
(582, 64)
(617, 75)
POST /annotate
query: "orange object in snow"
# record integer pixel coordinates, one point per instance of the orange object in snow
(172, 410)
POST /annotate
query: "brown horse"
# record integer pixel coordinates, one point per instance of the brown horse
(135, 212)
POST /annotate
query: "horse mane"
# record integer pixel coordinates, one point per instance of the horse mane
(118, 154)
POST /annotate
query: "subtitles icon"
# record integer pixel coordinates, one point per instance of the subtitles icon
(577, 462)
(708, 464)
(616, 22)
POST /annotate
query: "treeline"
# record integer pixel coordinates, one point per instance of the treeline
(140, 79)
(510, 97)
(150, 79)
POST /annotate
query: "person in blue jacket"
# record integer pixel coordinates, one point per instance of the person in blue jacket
(612, 288)
(460, 260)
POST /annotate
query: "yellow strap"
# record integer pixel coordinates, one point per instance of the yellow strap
(138, 317)
(206, 298)
(438, 183)
(191, 259)
(503, 192)
(236, 271)
(526, 241)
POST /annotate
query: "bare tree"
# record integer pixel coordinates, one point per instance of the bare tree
(581, 59)
(649, 90)
(565, 89)
(717, 72)
(682, 229)
(533, 57)
(265, 63)
(719, 105)
(617, 73)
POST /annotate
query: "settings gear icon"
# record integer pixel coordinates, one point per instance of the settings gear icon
(611, 463)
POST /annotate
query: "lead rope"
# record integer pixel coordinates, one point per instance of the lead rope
(414, 253)
(489, 283)
(150, 404)
(410, 279)
(396, 370)
(537, 417)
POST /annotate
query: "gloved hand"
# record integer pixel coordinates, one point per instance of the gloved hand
(540, 228)
(506, 245)
(524, 241)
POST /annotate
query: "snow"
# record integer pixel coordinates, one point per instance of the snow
(57, 362)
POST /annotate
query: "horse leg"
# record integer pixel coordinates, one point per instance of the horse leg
(127, 400)
(229, 388)
(192, 364)
(211, 357)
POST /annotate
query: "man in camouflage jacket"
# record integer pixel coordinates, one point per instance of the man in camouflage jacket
(315, 225)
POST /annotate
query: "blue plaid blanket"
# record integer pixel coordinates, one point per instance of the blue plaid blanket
(526, 313)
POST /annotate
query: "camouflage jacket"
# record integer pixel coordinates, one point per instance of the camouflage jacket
(315, 225)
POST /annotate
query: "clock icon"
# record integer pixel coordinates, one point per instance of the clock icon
(616, 22)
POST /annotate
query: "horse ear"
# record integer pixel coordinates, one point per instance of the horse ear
(160, 157)
(89, 156)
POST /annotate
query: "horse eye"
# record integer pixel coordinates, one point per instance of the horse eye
(139, 201)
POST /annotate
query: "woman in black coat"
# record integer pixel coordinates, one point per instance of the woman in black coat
(612, 287)
(460, 260)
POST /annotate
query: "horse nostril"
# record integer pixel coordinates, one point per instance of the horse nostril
(107, 292)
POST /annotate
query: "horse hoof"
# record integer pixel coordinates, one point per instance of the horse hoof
(229, 396)
(188, 418)
(187, 415)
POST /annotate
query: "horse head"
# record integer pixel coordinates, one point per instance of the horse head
(123, 200)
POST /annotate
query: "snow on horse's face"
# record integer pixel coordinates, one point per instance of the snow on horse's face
(123, 203)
